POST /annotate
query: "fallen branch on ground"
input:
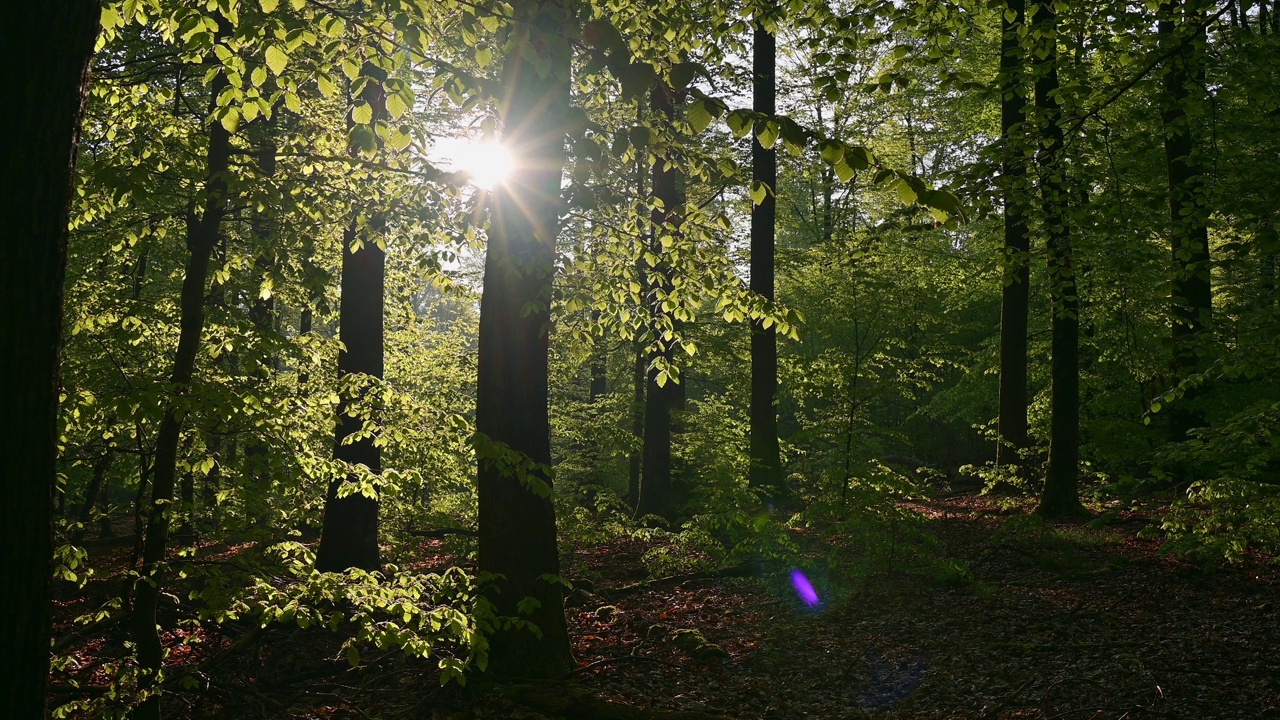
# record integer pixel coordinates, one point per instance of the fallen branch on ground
(575, 704)
(744, 569)
(442, 532)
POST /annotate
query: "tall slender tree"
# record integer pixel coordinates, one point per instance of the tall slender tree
(1191, 297)
(1060, 496)
(1015, 295)
(44, 49)
(766, 466)
(349, 537)
(201, 237)
(517, 521)
(660, 398)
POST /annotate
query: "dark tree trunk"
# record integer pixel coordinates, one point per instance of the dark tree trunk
(766, 466)
(599, 375)
(1015, 296)
(104, 503)
(637, 426)
(517, 522)
(1191, 295)
(655, 496)
(262, 314)
(1060, 496)
(44, 50)
(202, 235)
(349, 536)
(91, 494)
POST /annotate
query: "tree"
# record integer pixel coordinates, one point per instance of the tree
(662, 392)
(1191, 294)
(517, 522)
(45, 51)
(349, 538)
(766, 468)
(1060, 496)
(1016, 280)
(202, 235)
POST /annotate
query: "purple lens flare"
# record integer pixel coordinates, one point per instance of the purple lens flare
(804, 588)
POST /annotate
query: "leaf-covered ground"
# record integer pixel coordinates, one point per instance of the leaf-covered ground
(1032, 623)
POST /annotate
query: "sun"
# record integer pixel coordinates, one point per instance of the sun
(486, 162)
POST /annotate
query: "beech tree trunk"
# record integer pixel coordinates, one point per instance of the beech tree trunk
(349, 535)
(1016, 292)
(634, 461)
(655, 484)
(202, 235)
(599, 367)
(91, 494)
(766, 466)
(517, 522)
(1191, 296)
(1060, 496)
(262, 314)
(44, 49)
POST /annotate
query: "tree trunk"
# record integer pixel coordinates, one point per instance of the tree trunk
(1191, 294)
(349, 536)
(91, 494)
(1060, 496)
(637, 426)
(766, 466)
(599, 366)
(202, 235)
(1015, 296)
(655, 484)
(517, 522)
(262, 315)
(44, 49)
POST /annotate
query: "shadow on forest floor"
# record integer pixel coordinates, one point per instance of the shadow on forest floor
(1057, 623)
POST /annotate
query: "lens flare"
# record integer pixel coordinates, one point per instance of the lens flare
(804, 588)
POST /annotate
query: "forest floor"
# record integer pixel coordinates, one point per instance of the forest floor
(1062, 623)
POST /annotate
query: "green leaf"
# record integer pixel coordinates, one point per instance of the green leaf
(858, 158)
(759, 191)
(793, 136)
(635, 78)
(351, 69)
(905, 193)
(844, 171)
(276, 59)
(269, 6)
(363, 139)
(231, 120)
(396, 105)
(362, 112)
(766, 133)
(739, 122)
(640, 136)
(602, 35)
(831, 151)
(327, 88)
(699, 115)
(683, 73)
